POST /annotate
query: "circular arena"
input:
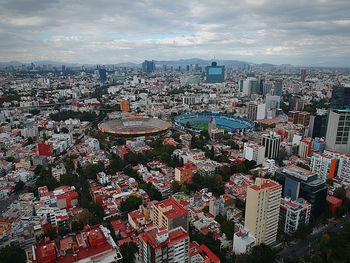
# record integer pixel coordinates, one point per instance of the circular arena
(134, 126)
(199, 121)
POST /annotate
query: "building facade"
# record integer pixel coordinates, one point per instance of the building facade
(254, 152)
(294, 213)
(262, 210)
(338, 128)
(271, 142)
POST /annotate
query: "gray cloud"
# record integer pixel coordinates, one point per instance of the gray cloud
(314, 32)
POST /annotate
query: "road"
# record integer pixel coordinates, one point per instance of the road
(305, 246)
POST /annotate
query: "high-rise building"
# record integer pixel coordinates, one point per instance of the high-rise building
(254, 152)
(103, 75)
(304, 150)
(338, 128)
(256, 111)
(340, 98)
(278, 85)
(215, 73)
(294, 213)
(330, 164)
(148, 66)
(303, 75)
(125, 106)
(318, 125)
(169, 214)
(301, 183)
(250, 86)
(162, 245)
(271, 141)
(262, 210)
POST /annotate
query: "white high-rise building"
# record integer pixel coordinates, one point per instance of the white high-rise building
(254, 152)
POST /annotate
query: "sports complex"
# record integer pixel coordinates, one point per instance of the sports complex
(134, 126)
(199, 121)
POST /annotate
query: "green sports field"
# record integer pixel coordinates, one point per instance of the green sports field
(205, 127)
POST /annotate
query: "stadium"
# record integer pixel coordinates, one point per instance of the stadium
(134, 126)
(199, 121)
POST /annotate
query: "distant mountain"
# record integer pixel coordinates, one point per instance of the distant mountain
(11, 63)
(202, 62)
(128, 65)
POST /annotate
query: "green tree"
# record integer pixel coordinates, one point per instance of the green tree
(130, 204)
(19, 186)
(128, 251)
(10, 254)
(228, 227)
(205, 209)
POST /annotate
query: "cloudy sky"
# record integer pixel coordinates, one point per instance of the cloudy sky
(299, 32)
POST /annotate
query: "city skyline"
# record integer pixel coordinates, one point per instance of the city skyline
(108, 32)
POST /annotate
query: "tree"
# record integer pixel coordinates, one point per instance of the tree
(19, 186)
(228, 227)
(11, 254)
(262, 254)
(175, 187)
(205, 209)
(220, 219)
(130, 204)
(128, 251)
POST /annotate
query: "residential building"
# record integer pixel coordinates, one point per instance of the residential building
(301, 183)
(243, 242)
(202, 254)
(262, 210)
(330, 164)
(169, 214)
(294, 213)
(184, 174)
(304, 150)
(254, 152)
(125, 106)
(93, 243)
(163, 245)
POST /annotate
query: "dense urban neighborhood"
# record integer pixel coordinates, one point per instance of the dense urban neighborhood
(214, 161)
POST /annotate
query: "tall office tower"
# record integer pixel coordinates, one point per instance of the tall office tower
(278, 85)
(318, 125)
(267, 87)
(103, 75)
(254, 152)
(125, 106)
(148, 66)
(215, 73)
(252, 110)
(304, 150)
(340, 98)
(169, 214)
(303, 75)
(262, 210)
(250, 86)
(294, 213)
(329, 164)
(301, 183)
(256, 111)
(338, 128)
(271, 141)
(162, 245)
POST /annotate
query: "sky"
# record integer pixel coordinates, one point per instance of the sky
(297, 32)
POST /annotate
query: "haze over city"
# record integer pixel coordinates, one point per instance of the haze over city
(309, 33)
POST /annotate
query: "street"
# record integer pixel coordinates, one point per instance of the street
(305, 246)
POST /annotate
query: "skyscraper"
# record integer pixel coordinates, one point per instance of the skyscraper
(278, 87)
(271, 142)
(262, 210)
(302, 75)
(340, 98)
(338, 128)
(148, 66)
(103, 75)
(215, 73)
